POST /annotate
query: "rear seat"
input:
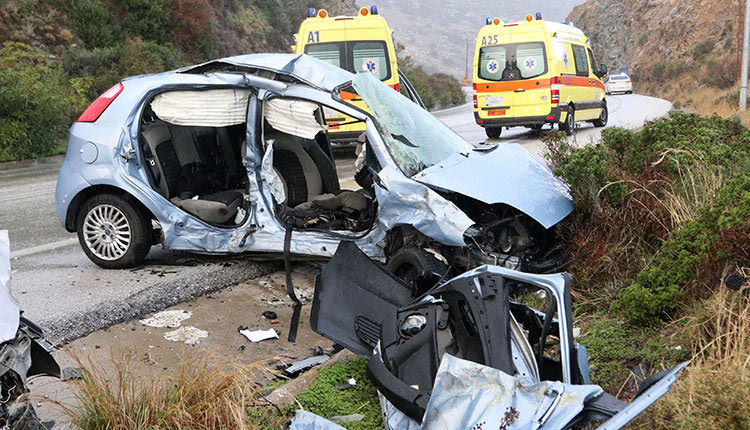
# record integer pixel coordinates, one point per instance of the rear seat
(196, 165)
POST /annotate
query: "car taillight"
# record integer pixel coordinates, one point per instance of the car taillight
(397, 87)
(95, 110)
(555, 90)
(474, 86)
(628, 82)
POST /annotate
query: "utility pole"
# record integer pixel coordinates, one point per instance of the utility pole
(745, 59)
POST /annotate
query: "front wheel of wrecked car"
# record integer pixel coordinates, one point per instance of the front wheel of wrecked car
(418, 268)
(113, 233)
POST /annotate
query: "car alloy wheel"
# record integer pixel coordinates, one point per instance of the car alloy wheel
(107, 232)
(113, 231)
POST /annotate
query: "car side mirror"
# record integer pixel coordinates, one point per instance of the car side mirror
(602, 71)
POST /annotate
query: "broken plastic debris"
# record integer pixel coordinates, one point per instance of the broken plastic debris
(167, 319)
(308, 363)
(348, 418)
(259, 335)
(188, 334)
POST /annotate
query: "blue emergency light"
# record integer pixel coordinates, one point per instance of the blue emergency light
(539, 16)
(374, 10)
(488, 21)
(311, 12)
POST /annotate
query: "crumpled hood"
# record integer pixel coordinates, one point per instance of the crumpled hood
(507, 174)
(9, 310)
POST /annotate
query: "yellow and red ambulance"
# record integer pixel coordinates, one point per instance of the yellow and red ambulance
(536, 72)
(354, 43)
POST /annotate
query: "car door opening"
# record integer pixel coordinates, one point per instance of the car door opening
(309, 195)
(193, 145)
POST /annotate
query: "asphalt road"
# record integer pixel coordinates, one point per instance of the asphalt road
(60, 289)
(628, 111)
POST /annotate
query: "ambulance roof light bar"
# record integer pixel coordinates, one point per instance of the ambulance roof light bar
(538, 16)
(374, 10)
(311, 12)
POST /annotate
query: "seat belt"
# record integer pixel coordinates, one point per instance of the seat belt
(294, 323)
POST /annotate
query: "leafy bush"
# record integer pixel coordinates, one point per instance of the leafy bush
(666, 70)
(94, 22)
(148, 19)
(436, 90)
(662, 209)
(34, 103)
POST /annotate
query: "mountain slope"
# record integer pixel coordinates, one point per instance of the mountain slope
(436, 36)
(665, 42)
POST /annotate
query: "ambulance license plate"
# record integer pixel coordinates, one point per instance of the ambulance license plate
(495, 101)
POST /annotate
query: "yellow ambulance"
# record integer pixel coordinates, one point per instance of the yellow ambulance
(535, 72)
(354, 43)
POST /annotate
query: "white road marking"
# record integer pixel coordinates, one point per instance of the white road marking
(43, 248)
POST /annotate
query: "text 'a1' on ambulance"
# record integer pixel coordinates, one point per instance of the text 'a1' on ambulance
(536, 72)
(354, 43)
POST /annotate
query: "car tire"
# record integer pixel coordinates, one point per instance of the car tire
(417, 268)
(113, 232)
(603, 117)
(570, 122)
(493, 132)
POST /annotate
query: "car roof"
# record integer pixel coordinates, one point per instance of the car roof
(304, 68)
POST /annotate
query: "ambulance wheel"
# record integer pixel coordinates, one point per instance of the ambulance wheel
(536, 127)
(493, 132)
(603, 117)
(570, 122)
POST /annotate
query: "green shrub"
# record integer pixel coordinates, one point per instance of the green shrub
(702, 49)
(94, 22)
(34, 103)
(664, 208)
(436, 90)
(148, 19)
(666, 70)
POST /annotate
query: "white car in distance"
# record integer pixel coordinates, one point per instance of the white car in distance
(620, 83)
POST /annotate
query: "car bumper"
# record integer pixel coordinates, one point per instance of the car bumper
(551, 118)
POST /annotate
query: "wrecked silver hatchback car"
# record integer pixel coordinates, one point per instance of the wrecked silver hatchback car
(234, 155)
(24, 352)
(472, 350)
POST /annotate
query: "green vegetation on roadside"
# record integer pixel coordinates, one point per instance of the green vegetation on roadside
(662, 220)
(56, 56)
(437, 90)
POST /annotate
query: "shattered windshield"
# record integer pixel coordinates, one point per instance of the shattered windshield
(416, 139)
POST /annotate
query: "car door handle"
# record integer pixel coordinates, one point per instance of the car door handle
(520, 90)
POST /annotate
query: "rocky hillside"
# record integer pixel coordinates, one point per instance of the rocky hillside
(665, 42)
(436, 34)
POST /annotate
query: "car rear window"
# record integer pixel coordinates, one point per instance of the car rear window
(619, 78)
(355, 56)
(512, 61)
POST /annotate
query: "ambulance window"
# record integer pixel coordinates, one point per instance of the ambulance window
(328, 52)
(371, 56)
(530, 59)
(582, 63)
(594, 64)
(492, 61)
(512, 61)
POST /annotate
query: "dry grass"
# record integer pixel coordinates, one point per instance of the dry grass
(696, 186)
(205, 395)
(712, 392)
